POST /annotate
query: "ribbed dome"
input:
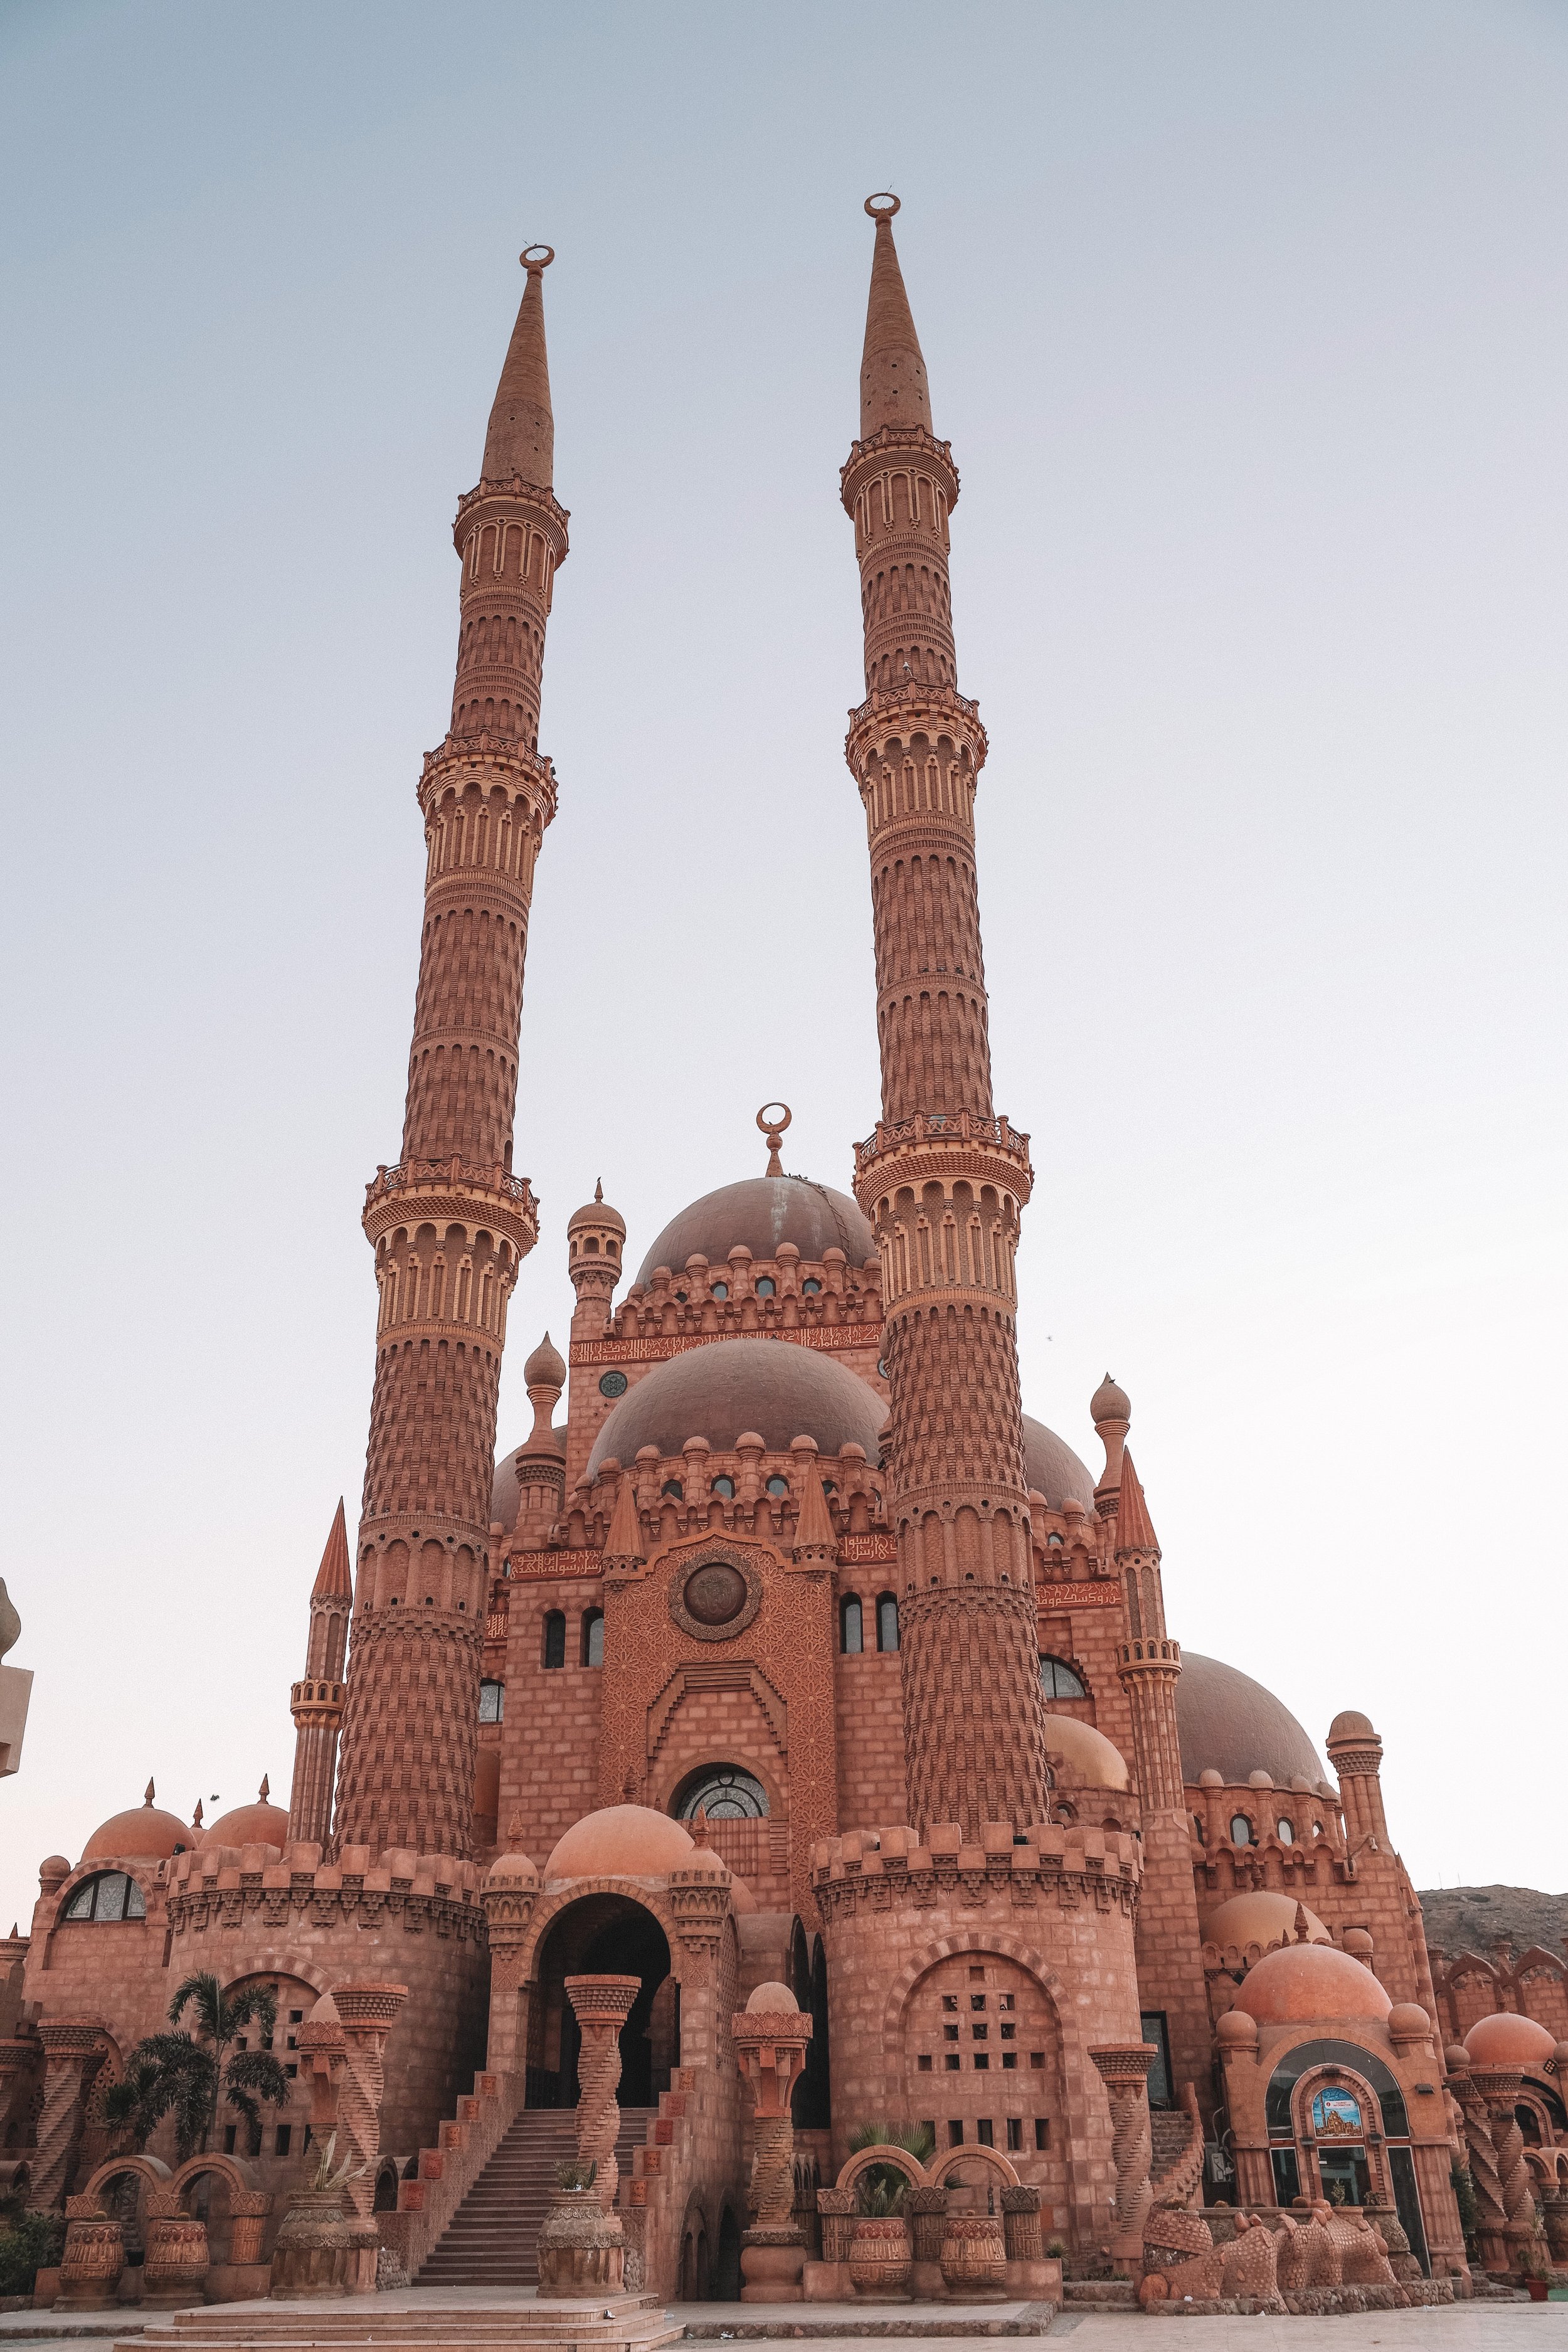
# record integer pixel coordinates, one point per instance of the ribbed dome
(1053, 1468)
(1231, 1725)
(757, 1214)
(772, 1386)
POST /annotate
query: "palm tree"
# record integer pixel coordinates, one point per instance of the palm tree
(184, 2072)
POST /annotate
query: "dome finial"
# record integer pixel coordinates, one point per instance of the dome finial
(196, 1816)
(266, 1789)
(772, 1118)
(598, 1188)
(152, 1793)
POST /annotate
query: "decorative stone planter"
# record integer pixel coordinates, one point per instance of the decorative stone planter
(772, 2261)
(315, 2249)
(973, 2258)
(174, 2268)
(581, 2249)
(90, 2266)
(881, 2257)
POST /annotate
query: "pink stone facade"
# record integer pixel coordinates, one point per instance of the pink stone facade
(784, 1655)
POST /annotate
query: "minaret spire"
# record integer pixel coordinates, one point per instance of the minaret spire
(451, 1223)
(894, 388)
(943, 1180)
(521, 436)
(316, 1702)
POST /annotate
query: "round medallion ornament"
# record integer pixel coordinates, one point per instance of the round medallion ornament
(718, 1595)
(613, 1384)
(715, 1592)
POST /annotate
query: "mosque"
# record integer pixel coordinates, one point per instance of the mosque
(787, 1716)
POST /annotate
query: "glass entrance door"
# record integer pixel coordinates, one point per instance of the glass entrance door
(1344, 2175)
(1407, 2204)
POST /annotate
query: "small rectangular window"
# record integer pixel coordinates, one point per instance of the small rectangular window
(950, 2032)
(955, 2134)
(1009, 2060)
(1006, 2001)
(292, 2041)
(281, 2139)
(292, 2073)
(1036, 2057)
(1015, 2132)
(980, 2032)
(986, 2136)
(977, 2001)
(982, 2061)
(1042, 2131)
(952, 2062)
(949, 2000)
(230, 2134)
(977, 1976)
(923, 2062)
(296, 2017)
(1009, 2033)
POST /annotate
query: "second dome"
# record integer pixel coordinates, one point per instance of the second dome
(721, 1391)
(759, 1213)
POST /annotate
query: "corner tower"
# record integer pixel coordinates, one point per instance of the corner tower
(451, 1223)
(943, 1180)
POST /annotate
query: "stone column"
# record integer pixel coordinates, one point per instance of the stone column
(1124, 2070)
(368, 2011)
(771, 2036)
(509, 1895)
(602, 2006)
(927, 2210)
(19, 2055)
(1478, 2091)
(1554, 2213)
(73, 2047)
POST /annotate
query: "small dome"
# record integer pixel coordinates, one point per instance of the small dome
(545, 1369)
(1302, 1983)
(621, 1842)
(144, 1833)
(1351, 1725)
(1236, 2031)
(1110, 1402)
(772, 2000)
(256, 1824)
(1051, 1467)
(1408, 2021)
(512, 1870)
(598, 1214)
(1259, 1918)
(769, 1386)
(52, 1869)
(1092, 1760)
(324, 2012)
(1230, 1723)
(1505, 2039)
(760, 1214)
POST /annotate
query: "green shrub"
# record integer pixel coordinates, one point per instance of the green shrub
(571, 2173)
(34, 2243)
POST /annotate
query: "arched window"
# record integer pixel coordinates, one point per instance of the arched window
(675, 1491)
(593, 1637)
(724, 1793)
(777, 1486)
(725, 1486)
(810, 1287)
(851, 1627)
(111, 1896)
(1241, 1830)
(492, 1702)
(765, 1286)
(719, 1290)
(1057, 1679)
(555, 1637)
(887, 1621)
(1285, 1829)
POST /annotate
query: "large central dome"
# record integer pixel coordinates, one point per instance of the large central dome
(1230, 1725)
(758, 1213)
(729, 1386)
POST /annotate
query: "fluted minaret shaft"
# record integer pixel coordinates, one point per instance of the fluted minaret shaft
(451, 1223)
(942, 1178)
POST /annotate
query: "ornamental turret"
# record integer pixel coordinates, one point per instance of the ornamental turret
(316, 1701)
(451, 1223)
(943, 1180)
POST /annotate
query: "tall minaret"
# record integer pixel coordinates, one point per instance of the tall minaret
(451, 1223)
(317, 1701)
(943, 1180)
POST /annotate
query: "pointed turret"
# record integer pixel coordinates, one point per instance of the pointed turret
(521, 436)
(334, 1576)
(815, 1539)
(893, 389)
(623, 1544)
(1134, 1528)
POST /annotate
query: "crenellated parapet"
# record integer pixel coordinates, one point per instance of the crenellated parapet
(889, 1869)
(225, 1889)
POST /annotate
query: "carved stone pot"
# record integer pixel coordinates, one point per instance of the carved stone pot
(880, 2256)
(315, 2250)
(174, 2267)
(91, 2265)
(581, 2249)
(973, 2258)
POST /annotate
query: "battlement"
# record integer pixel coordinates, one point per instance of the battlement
(221, 1884)
(876, 1865)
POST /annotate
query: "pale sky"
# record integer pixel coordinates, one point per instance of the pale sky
(1248, 325)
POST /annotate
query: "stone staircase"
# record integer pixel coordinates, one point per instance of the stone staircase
(491, 2239)
(627, 2323)
(1083, 2295)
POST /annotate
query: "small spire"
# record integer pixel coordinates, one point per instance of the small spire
(196, 1816)
(623, 1545)
(521, 435)
(335, 1577)
(699, 1827)
(894, 388)
(1134, 1528)
(152, 1793)
(266, 1789)
(814, 1536)
(772, 1118)
(598, 1195)
(1302, 1930)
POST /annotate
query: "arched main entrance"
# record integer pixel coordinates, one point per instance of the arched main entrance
(609, 1935)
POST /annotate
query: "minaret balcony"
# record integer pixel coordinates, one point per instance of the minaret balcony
(898, 712)
(466, 1192)
(941, 1146)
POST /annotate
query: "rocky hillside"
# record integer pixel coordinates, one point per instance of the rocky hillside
(1474, 1919)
